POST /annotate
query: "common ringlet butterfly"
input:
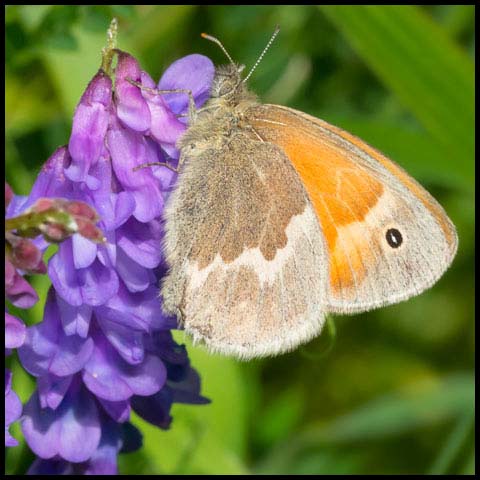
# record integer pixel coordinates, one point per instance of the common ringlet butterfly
(279, 218)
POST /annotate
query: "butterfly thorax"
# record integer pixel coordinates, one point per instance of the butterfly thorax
(221, 119)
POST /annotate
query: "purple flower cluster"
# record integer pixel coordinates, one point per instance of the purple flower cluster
(104, 347)
(56, 219)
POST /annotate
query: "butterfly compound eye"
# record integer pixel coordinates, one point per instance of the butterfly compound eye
(394, 237)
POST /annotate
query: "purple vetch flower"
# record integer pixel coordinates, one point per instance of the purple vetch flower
(104, 346)
(15, 332)
(17, 290)
(116, 437)
(28, 229)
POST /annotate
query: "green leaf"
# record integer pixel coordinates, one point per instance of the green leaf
(71, 71)
(469, 466)
(96, 18)
(280, 417)
(31, 16)
(422, 404)
(454, 444)
(421, 65)
(26, 105)
(55, 27)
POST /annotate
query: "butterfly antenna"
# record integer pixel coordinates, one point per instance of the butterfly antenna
(272, 38)
(219, 43)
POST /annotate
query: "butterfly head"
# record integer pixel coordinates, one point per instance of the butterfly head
(228, 81)
(228, 84)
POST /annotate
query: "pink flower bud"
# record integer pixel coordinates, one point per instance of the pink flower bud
(81, 209)
(43, 204)
(26, 256)
(55, 232)
(89, 230)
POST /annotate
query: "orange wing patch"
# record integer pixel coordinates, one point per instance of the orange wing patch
(408, 181)
(341, 194)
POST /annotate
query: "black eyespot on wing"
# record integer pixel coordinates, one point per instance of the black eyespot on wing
(394, 237)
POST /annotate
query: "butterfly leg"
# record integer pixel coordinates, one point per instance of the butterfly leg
(192, 109)
(157, 164)
(192, 113)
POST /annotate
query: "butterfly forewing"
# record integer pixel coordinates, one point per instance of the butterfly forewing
(387, 238)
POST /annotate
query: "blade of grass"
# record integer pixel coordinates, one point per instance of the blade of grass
(469, 466)
(454, 444)
(423, 404)
(420, 405)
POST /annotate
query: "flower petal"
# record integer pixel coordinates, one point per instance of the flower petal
(104, 459)
(134, 310)
(41, 466)
(92, 286)
(135, 277)
(17, 290)
(188, 389)
(72, 431)
(51, 181)
(155, 409)
(129, 150)
(84, 251)
(124, 208)
(132, 109)
(13, 409)
(62, 273)
(141, 242)
(148, 203)
(109, 377)
(89, 126)
(52, 390)
(127, 342)
(15, 331)
(75, 320)
(118, 411)
(194, 72)
(48, 350)
(165, 126)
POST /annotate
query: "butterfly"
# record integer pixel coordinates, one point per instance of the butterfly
(279, 218)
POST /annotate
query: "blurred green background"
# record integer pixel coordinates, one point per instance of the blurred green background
(392, 391)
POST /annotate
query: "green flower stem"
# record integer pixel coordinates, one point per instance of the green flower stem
(108, 51)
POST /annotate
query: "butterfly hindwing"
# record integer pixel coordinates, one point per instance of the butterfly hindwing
(248, 265)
